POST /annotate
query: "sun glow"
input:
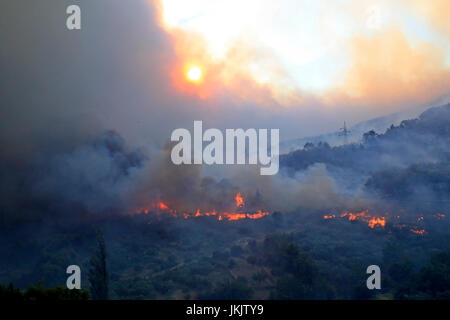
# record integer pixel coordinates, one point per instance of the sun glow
(260, 49)
(323, 48)
(195, 74)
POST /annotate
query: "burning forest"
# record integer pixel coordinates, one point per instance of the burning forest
(409, 221)
(264, 197)
(161, 208)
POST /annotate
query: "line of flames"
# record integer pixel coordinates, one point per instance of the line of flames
(162, 207)
(373, 221)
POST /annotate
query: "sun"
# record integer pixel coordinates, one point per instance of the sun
(194, 74)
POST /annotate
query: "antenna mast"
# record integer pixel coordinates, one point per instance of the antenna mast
(344, 132)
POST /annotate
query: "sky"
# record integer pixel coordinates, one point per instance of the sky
(303, 67)
(326, 49)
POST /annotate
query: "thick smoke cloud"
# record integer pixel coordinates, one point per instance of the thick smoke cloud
(96, 177)
(387, 70)
(63, 92)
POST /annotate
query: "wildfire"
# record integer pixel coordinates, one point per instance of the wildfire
(377, 222)
(354, 216)
(239, 200)
(418, 231)
(372, 222)
(381, 221)
(161, 207)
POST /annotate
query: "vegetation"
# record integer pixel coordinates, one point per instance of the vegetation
(289, 255)
(98, 275)
(40, 293)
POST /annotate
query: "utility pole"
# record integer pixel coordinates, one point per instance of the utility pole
(344, 132)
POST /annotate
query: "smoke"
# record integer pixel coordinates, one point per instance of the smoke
(64, 91)
(186, 188)
(106, 176)
(96, 178)
(435, 13)
(388, 70)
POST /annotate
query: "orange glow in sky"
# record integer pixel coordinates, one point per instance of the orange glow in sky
(360, 53)
(194, 74)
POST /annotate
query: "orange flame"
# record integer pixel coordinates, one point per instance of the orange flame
(381, 221)
(419, 231)
(372, 222)
(162, 207)
(353, 216)
(239, 200)
(377, 222)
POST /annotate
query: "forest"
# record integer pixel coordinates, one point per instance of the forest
(399, 185)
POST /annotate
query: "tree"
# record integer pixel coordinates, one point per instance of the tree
(98, 275)
(370, 136)
(308, 146)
